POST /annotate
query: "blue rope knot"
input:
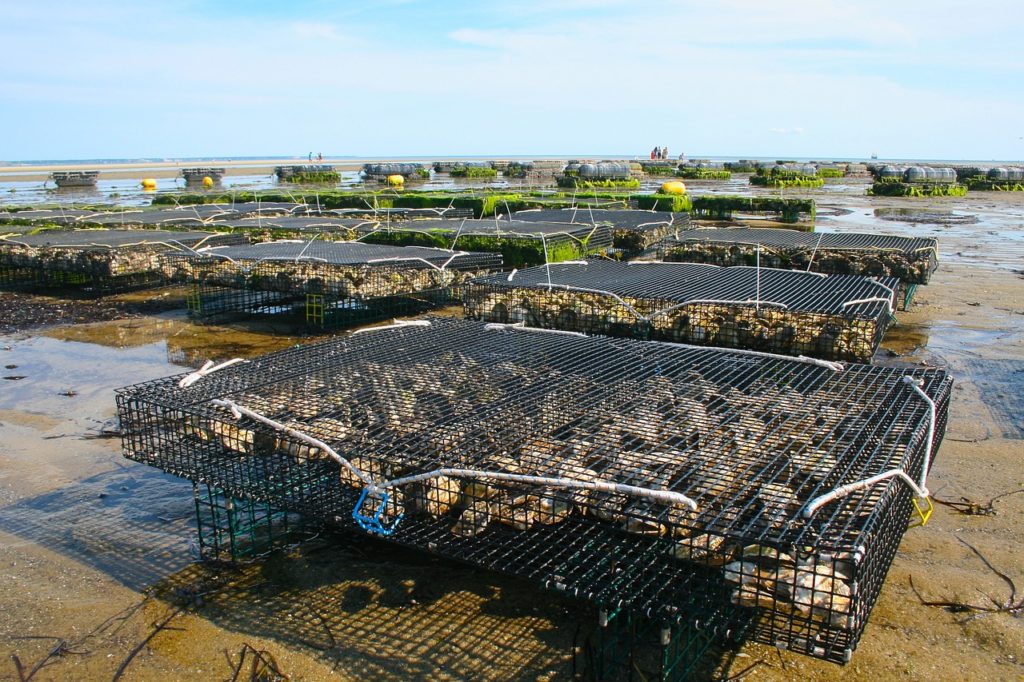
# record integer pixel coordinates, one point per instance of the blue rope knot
(373, 524)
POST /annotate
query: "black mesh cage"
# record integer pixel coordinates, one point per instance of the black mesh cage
(105, 260)
(521, 242)
(781, 311)
(912, 260)
(668, 481)
(329, 283)
(631, 230)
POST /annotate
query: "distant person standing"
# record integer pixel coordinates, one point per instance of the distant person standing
(310, 157)
(657, 153)
(664, 152)
(319, 156)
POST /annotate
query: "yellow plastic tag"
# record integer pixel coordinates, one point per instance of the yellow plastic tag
(923, 514)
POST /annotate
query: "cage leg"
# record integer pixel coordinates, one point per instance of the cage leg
(194, 300)
(315, 309)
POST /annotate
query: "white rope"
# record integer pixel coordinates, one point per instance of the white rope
(498, 326)
(872, 299)
(207, 368)
(397, 324)
(810, 262)
(238, 410)
(919, 487)
(844, 490)
(666, 496)
(757, 293)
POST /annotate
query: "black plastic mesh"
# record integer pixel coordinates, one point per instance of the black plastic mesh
(326, 283)
(632, 230)
(781, 311)
(105, 260)
(750, 439)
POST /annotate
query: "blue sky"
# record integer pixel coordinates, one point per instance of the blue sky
(790, 78)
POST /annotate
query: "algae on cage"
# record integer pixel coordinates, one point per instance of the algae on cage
(691, 173)
(674, 203)
(888, 187)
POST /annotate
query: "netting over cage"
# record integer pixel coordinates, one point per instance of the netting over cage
(198, 174)
(382, 170)
(1006, 174)
(929, 174)
(330, 283)
(602, 170)
(102, 259)
(664, 480)
(631, 230)
(781, 311)
(912, 260)
(521, 243)
(75, 178)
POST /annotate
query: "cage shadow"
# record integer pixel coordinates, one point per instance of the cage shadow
(131, 523)
(377, 611)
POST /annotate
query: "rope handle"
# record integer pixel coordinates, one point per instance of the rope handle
(397, 324)
(920, 487)
(207, 368)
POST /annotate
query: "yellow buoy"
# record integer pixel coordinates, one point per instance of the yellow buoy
(207, 182)
(396, 180)
(673, 187)
(148, 183)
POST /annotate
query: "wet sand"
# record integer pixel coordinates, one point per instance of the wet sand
(95, 550)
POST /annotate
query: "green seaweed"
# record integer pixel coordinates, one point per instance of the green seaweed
(894, 188)
(703, 174)
(676, 203)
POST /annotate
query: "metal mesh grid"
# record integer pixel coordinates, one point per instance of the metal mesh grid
(631, 230)
(782, 311)
(331, 284)
(911, 259)
(106, 260)
(749, 439)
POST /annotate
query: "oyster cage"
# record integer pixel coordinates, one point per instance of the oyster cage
(520, 243)
(781, 311)
(912, 260)
(668, 481)
(633, 231)
(330, 284)
(104, 261)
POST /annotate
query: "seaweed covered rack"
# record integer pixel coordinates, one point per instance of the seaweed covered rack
(328, 284)
(632, 231)
(781, 311)
(912, 260)
(669, 481)
(99, 261)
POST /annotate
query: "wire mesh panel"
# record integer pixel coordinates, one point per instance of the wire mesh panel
(910, 259)
(782, 311)
(106, 260)
(230, 529)
(331, 284)
(632, 231)
(670, 481)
